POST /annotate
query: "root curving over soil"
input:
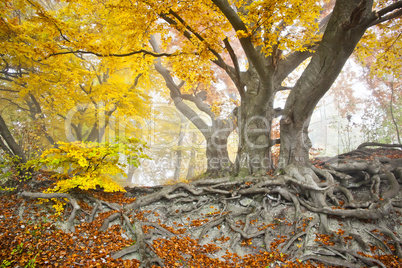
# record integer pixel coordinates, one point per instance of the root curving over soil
(342, 212)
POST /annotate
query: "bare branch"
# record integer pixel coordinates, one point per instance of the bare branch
(281, 88)
(387, 18)
(199, 103)
(6, 79)
(13, 103)
(233, 56)
(143, 51)
(136, 80)
(176, 95)
(390, 8)
(9, 90)
(275, 142)
(381, 16)
(252, 54)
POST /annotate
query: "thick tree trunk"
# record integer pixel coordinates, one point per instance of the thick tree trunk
(255, 117)
(218, 162)
(346, 26)
(295, 143)
(253, 155)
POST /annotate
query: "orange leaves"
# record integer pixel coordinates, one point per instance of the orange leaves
(178, 251)
(198, 222)
(325, 239)
(340, 232)
(265, 226)
(146, 228)
(115, 197)
(276, 242)
(246, 242)
(388, 260)
(347, 239)
(38, 241)
(222, 239)
(140, 215)
(172, 230)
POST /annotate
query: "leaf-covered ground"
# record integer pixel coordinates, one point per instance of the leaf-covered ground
(209, 223)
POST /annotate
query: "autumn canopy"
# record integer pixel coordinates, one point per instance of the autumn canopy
(78, 78)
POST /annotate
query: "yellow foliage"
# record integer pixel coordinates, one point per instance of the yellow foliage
(37, 38)
(89, 165)
(381, 48)
(47, 32)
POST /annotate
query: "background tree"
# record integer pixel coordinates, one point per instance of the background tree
(66, 98)
(382, 68)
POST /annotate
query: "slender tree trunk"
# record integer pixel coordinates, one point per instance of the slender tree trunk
(10, 146)
(177, 167)
(392, 112)
(191, 163)
(130, 173)
(10, 141)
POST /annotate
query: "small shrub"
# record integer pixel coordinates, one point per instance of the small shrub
(88, 165)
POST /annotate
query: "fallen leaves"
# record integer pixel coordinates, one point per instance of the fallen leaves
(40, 241)
(36, 236)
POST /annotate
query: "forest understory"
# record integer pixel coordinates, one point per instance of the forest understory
(344, 211)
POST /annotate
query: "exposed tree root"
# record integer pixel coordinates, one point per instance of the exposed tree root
(397, 242)
(330, 260)
(322, 215)
(365, 260)
(73, 202)
(377, 144)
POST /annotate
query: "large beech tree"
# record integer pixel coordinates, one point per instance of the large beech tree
(257, 44)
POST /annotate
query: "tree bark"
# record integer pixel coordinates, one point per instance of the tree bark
(216, 135)
(191, 163)
(391, 107)
(346, 26)
(130, 174)
(177, 168)
(10, 141)
(255, 117)
(218, 162)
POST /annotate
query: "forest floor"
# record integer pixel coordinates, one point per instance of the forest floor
(222, 222)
